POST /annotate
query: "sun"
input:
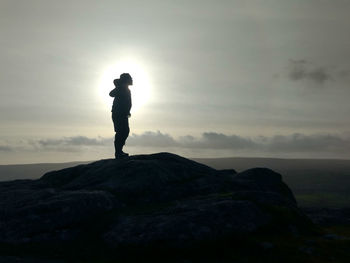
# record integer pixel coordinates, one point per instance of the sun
(140, 90)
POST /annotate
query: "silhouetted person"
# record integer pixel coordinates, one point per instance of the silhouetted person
(121, 112)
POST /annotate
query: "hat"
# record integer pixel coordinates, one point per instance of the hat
(125, 77)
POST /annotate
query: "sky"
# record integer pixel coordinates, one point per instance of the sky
(251, 78)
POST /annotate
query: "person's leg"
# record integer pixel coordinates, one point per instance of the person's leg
(122, 132)
(126, 130)
(117, 137)
(117, 146)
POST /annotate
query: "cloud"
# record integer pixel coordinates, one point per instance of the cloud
(73, 141)
(152, 139)
(308, 143)
(344, 73)
(212, 140)
(208, 141)
(304, 70)
(292, 143)
(4, 148)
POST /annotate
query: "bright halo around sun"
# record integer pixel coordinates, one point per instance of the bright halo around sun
(140, 90)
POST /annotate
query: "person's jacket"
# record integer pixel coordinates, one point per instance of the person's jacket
(122, 101)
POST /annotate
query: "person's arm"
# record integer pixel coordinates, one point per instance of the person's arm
(129, 104)
(113, 92)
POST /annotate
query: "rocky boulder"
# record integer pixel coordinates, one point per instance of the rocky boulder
(157, 199)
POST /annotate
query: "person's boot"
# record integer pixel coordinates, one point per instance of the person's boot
(121, 155)
(118, 145)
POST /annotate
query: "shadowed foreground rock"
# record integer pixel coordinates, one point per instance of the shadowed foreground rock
(146, 200)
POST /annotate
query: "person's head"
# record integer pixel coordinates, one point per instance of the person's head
(125, 79)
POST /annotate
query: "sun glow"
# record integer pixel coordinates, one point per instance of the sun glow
(140, 90)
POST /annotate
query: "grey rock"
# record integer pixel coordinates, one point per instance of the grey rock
(294, 230)
(310, 242)
(307, 250)
(265, 179)
(159, 198)
(335, 237)
(144, 178)
(328, 216)
(13, 259)
(267, 245)
(40, 214)
(192, 221)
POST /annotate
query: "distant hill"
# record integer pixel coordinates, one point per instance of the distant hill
(31, 171)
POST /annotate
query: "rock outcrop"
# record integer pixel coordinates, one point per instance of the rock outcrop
(157, 199)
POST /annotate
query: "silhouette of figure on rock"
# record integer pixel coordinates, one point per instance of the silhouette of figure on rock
(121, 112)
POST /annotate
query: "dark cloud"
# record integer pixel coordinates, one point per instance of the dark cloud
(212, 140)
(304, 70)
(294, 143)
(4, 148)
(344, 73)
(73, 141)
(308, 143)
(152, 139)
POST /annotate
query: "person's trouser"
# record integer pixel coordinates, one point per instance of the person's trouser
(121, 128)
